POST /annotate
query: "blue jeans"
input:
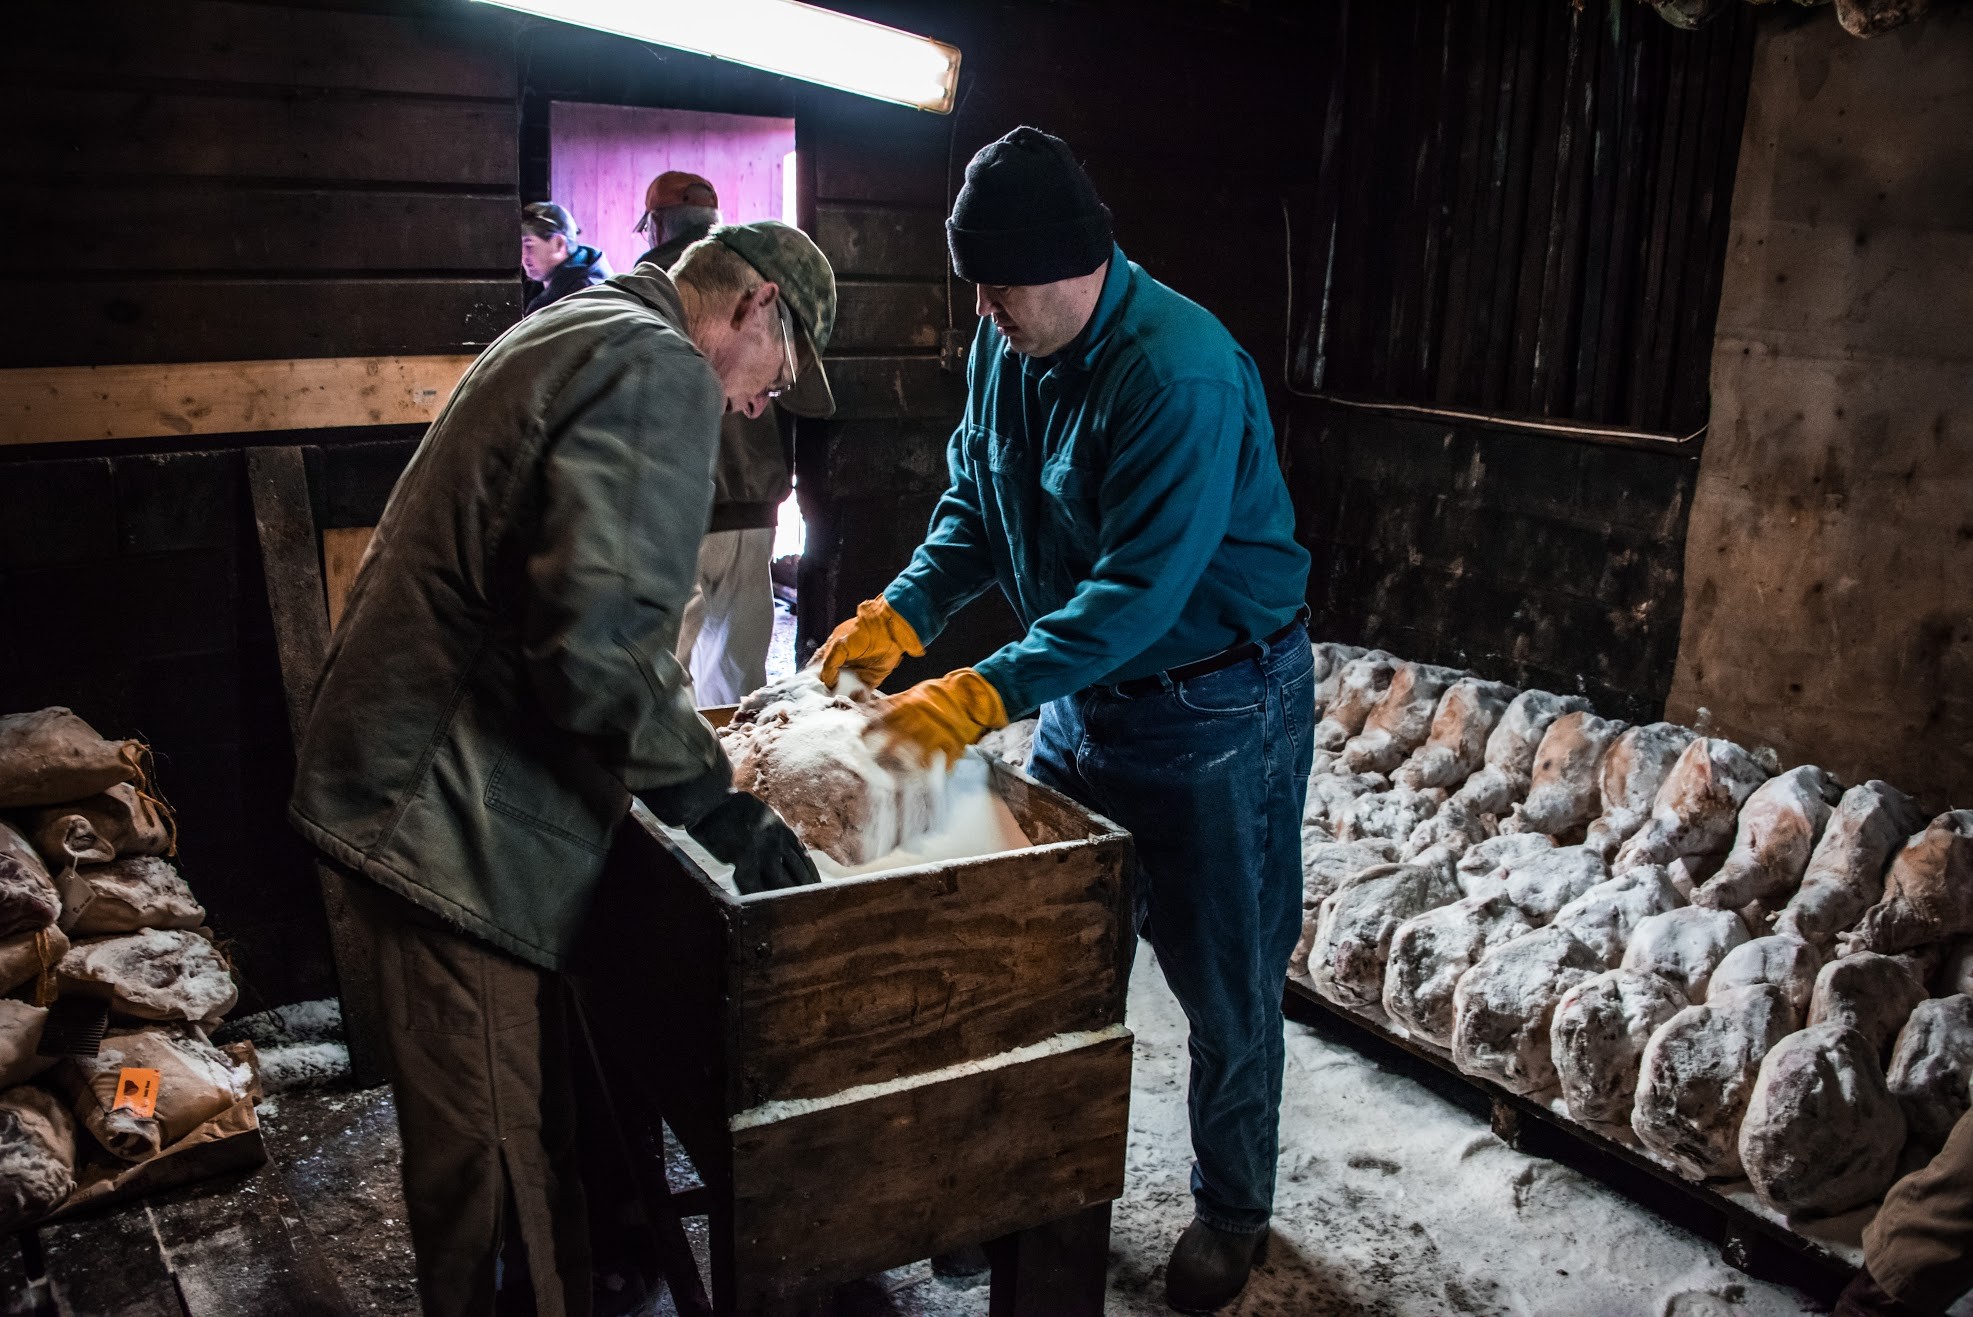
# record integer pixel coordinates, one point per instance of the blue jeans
(1209, 778)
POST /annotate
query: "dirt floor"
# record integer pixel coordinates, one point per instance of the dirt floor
(1391, 1202)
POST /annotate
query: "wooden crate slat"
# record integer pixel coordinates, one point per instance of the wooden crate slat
(850, 1190)
(862, 982)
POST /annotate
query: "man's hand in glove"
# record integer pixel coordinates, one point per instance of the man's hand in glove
(941, 716)
(765, 853)
(871, 645)
(736, 828)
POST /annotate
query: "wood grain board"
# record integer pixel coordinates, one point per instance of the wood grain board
(70, 404)
(861, 982)
(848, 1191)
(342, 554)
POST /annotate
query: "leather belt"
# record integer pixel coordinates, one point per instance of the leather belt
(1139, 687)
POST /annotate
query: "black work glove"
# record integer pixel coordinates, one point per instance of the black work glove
(765, 852)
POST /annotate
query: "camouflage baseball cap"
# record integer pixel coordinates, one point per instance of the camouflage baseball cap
(786, 256)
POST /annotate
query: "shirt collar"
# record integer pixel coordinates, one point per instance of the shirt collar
(1081, 351)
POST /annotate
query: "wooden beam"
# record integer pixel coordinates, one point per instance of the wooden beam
(342, 554)
(292, 569)
(69, 404)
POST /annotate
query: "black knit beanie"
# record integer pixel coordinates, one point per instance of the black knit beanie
(1027, 214)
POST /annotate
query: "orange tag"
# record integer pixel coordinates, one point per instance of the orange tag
(137, 1092)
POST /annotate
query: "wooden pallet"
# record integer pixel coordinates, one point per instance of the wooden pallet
(1750, 1238)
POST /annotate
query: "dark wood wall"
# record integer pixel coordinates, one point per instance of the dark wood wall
(207, 181)
(1520, 214)
(214, 181)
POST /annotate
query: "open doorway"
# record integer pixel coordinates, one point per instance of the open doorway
(601, 157)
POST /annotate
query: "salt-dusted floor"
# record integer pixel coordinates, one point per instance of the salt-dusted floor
(1392, 1202)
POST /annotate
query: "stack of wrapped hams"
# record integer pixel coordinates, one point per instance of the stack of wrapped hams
(92, 906)
(1740, 972)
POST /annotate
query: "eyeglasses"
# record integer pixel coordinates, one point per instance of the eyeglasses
(787, 381)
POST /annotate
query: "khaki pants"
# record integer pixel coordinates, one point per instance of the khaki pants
(1920, 1247)
(728, 624)
(477, 1047)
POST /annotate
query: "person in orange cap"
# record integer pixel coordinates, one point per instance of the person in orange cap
(728, 625)
(679, 209)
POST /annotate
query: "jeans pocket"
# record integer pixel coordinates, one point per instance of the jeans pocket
(1241, 688)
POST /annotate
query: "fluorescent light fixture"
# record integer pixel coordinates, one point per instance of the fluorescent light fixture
(780, 36)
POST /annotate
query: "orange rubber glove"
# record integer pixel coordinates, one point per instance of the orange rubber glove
(871, 645)
(941, 716)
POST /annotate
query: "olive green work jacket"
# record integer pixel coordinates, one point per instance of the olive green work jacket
(502, 678)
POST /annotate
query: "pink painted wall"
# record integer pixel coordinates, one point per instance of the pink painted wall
(601, 157)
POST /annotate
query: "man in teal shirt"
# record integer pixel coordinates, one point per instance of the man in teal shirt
(1115, 476)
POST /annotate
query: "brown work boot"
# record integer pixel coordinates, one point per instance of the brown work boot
(1209, 1267)
(1864, 1297)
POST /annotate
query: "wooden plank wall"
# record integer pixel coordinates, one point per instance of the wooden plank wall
(210, 182)
(227, 181)
(1830, 566)
(1519, 212)
(1522, 208)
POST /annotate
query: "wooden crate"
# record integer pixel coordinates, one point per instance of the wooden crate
(873, 1070)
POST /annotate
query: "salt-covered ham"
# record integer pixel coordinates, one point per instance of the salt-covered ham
(1504, 1005)
(1495, 853)
(1697, 1075)
(1697, 807)
(1928, 894)
(1634, 767)
(1822, 1133)
(1542, 883)
(1329, 794)
(158, 974)
(1873, 994)
(1328, 660)
(1390, 814)
(1605, 917)
(1510, 759)
(1684, 946)
(1453, 830)
(1401, 720)
(1565, 790)
(1932, 1065)
(1467, 714)
(37, 1155)
(1431, 952)
(136, 891)
(1780, 824)
(1353, 936)
(1597, 1039)
(803, 750)
(1787, 962)
(1845, 875)
(1325, 867)
(1359, 685)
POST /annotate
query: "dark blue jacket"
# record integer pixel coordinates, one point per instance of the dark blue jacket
(585, 267)
(1124, 494)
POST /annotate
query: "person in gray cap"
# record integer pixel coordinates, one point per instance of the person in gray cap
(1115, 476)
(502, 685)
(551, 256)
